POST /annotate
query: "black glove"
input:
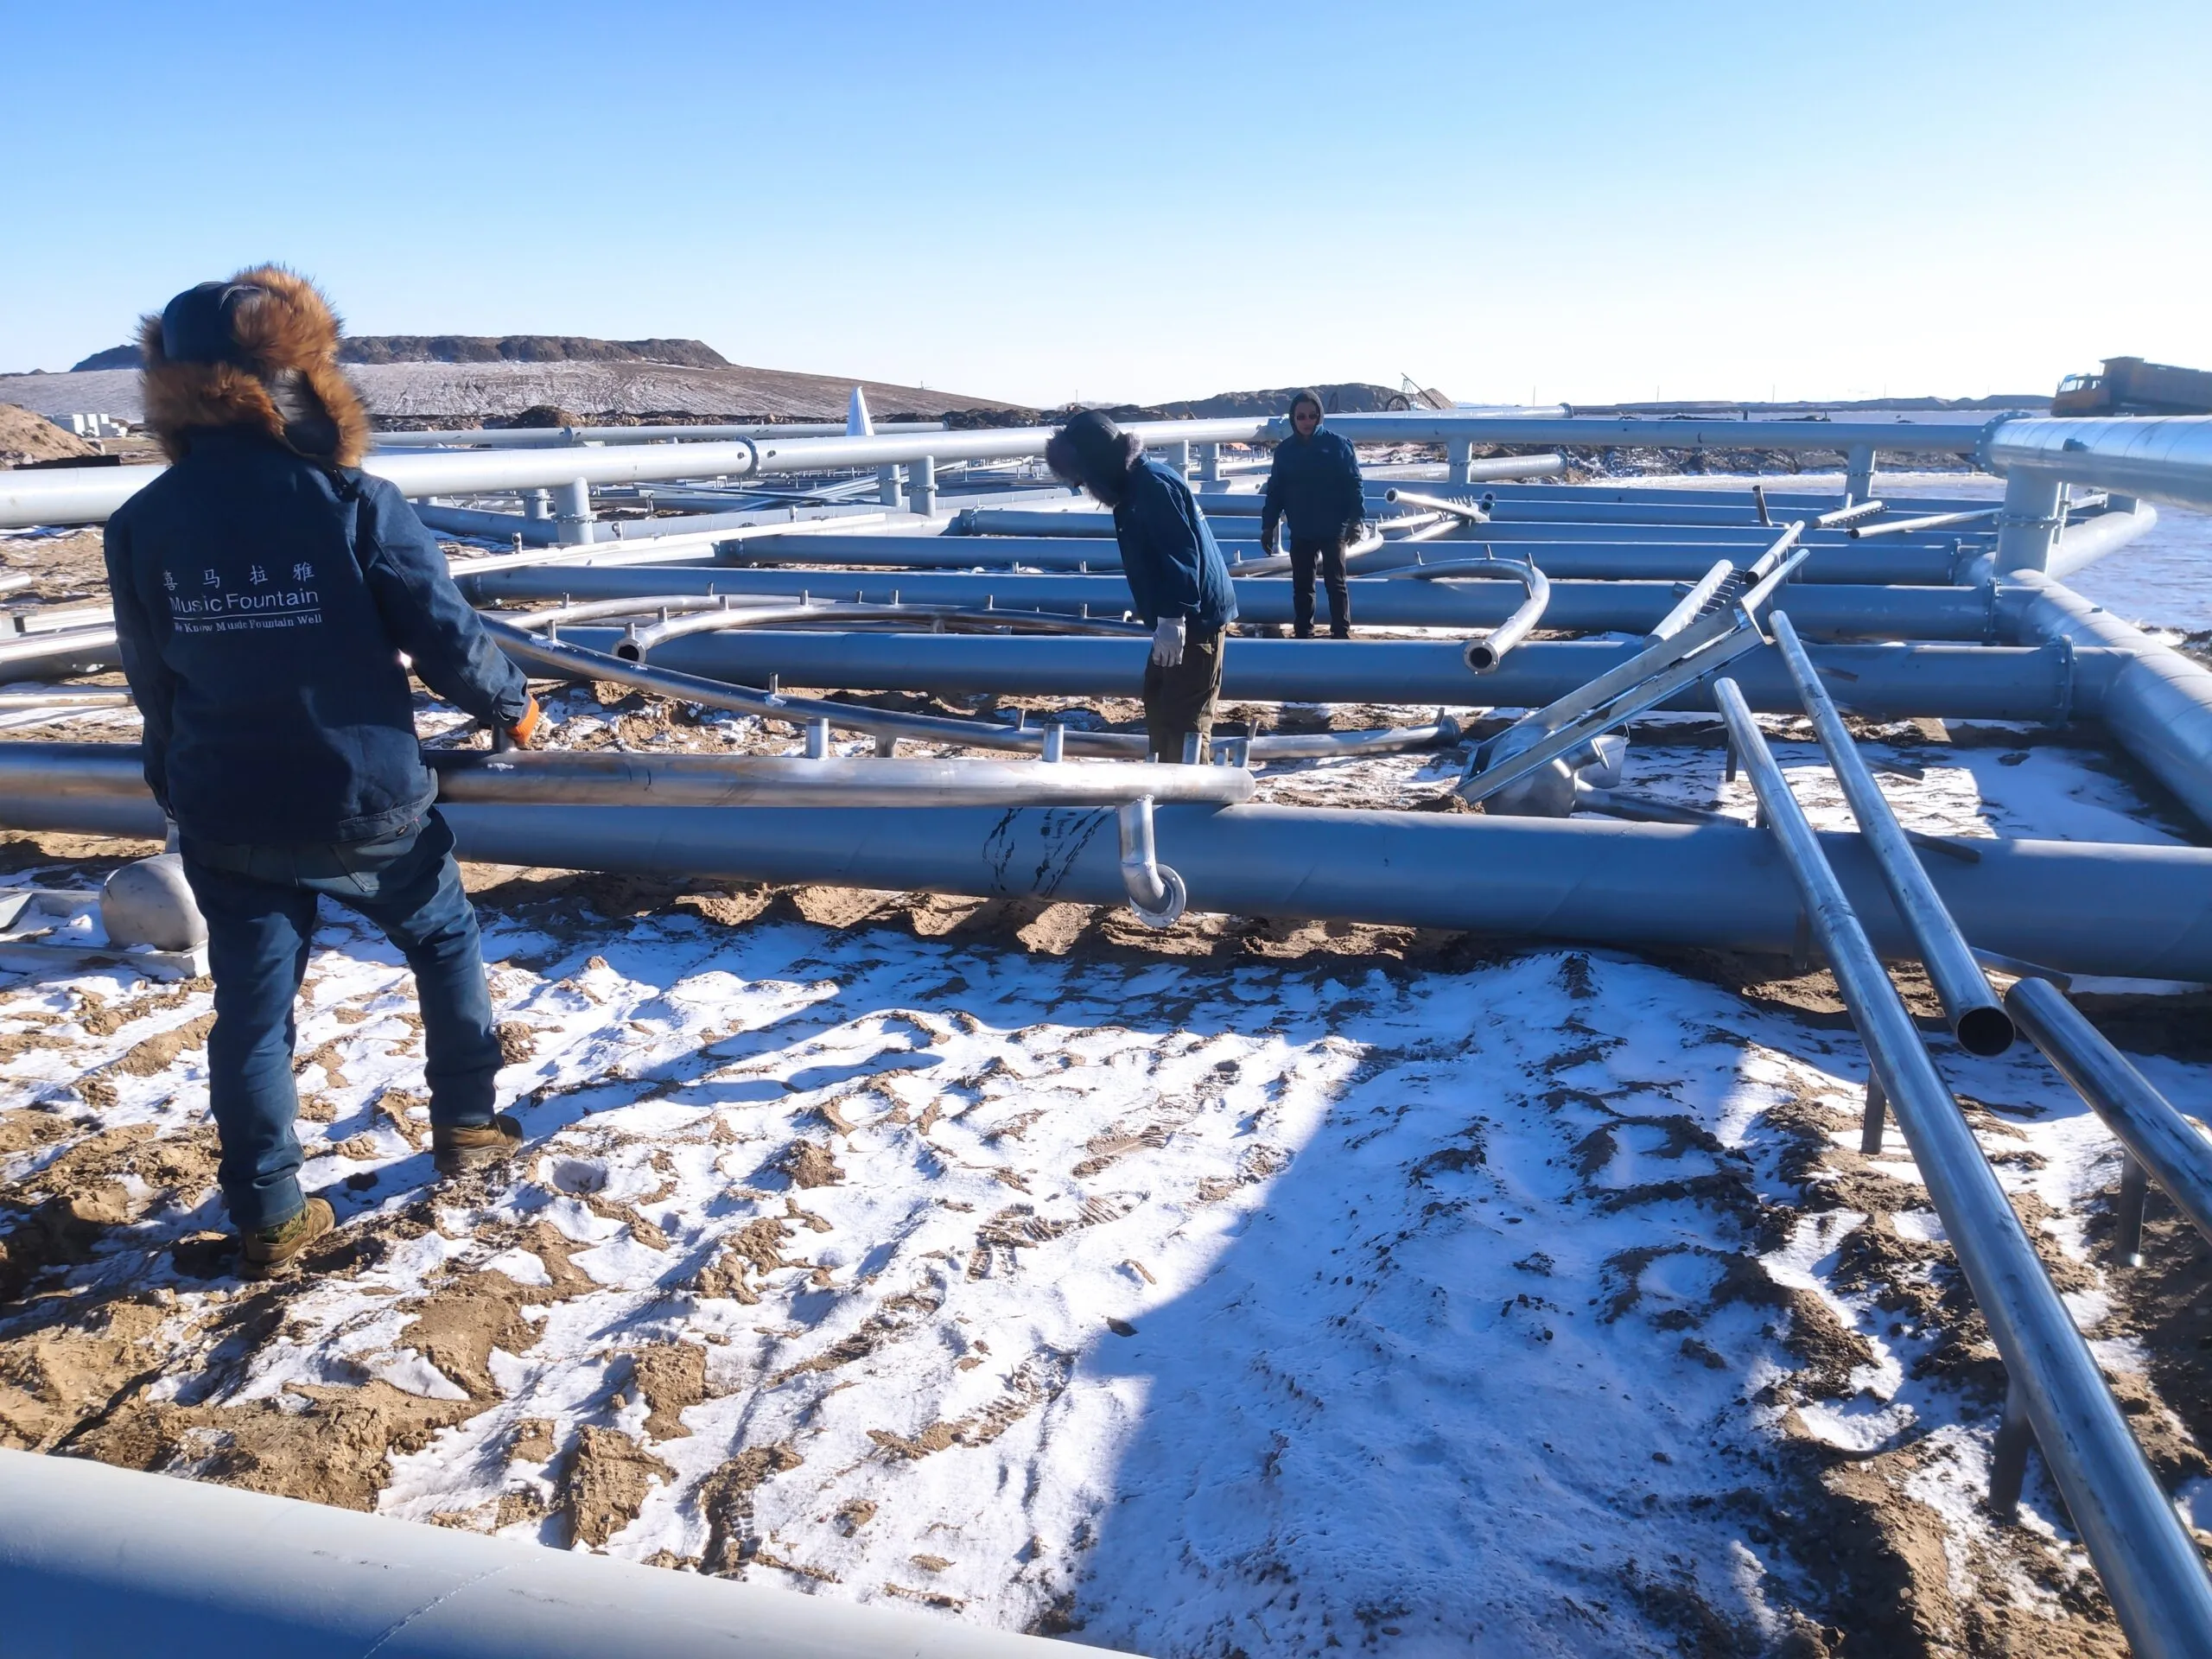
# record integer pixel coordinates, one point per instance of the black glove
(1354, 530)
(1267, 537)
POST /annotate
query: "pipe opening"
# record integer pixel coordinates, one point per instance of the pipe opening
(1985, 1031)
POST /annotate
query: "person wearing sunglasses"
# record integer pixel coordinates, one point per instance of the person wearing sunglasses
(1314, 484)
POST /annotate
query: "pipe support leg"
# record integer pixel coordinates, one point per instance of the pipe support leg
(2128, 1231)
(1877, 1110)
(2008, 1457)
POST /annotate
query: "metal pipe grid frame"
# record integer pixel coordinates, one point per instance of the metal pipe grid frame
(2147, 1560)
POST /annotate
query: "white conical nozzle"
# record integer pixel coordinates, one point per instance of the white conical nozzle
(857, 424)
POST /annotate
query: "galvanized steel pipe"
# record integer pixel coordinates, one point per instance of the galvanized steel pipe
(1483, 655)
(2156, 1136)
(608, 778)
(540, 437)
(1888, 681)
(1584, 432)
(2133, 911)
(1634, 558)
(1821, 610)
(87, 495)
(1978, 1020)
(2159, 458)
(2155, 700)
(2148, 1562)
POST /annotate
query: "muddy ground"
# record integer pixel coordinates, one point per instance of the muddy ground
(125, 1334)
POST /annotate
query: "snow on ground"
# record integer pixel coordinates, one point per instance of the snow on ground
(1190, 1303)
(1198, 1306)
(1241, 1289)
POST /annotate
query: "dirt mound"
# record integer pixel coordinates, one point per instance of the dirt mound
(336, 1451)
(25, 437)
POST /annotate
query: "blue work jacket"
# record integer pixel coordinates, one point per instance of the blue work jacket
(263, 602)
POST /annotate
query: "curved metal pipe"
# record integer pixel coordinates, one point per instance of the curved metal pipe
(1275, 564)
(639, 642)
(1486, 653)
(599, 609)
(572, 662)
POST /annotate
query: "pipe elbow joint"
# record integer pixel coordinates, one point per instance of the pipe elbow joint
(1173, 897)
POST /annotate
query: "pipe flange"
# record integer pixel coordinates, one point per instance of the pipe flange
(1169, 914)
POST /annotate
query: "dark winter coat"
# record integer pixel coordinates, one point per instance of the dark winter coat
(1315, 485)
(1169, 556)
(264, 598)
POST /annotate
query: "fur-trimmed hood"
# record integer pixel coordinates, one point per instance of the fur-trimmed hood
(279, 378)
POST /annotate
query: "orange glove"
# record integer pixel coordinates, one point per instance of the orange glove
(526, 729)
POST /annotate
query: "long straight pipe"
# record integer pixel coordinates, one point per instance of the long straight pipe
(1890, 681)
(87, 495)
(2161, 458)
(2149, 1563)
(90, 494)
(511, 437)
(2157, 1136)
(1978, 1019)
(2130, 910)
(1584, 432)
(611, 778)
(1634, 559)
(1822, 610)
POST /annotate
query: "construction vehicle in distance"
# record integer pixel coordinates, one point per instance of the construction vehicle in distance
(2130, 387)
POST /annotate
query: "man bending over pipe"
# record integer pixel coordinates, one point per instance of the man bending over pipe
(1315, 484)
(1173, 567)
(264, 591)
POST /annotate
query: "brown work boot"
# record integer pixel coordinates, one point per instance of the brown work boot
(266, 1250)
(457, 1150)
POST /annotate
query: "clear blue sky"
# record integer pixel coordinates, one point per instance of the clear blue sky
(1140, 200)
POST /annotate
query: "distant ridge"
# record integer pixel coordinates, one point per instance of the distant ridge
(482, 348)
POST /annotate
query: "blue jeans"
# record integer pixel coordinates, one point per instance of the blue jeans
(260, 906)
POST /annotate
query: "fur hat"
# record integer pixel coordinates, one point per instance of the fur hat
(1090, 450)
(258, 352)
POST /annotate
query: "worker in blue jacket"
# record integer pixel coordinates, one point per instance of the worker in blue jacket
(1315, 483)
(269, 600)
(1177, 577)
